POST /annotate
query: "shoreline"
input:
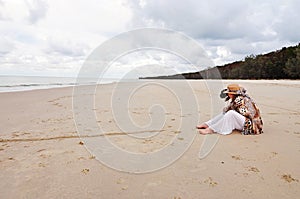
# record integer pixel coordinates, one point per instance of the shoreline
(277, 81)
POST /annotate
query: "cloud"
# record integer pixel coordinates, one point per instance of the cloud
(6, 46)
(287, 24)
(212, 19)
(148, 62)
(37, 10)
(23, 11)
(240, 27)
(49, 36)
(53, 37)
(66, 47)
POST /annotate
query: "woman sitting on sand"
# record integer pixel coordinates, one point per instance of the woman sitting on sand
(241, 114)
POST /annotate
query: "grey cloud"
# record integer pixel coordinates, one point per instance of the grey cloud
(243, 27)
(5, 47)
(212, 19)
(287, 25)
(66, 48)
(37, 10)
(2, 17)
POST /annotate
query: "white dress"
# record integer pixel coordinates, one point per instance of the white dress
(225, 123)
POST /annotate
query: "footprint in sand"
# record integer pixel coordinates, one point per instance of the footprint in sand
(120, 181)
(92, 157)
(70, 151)
(273, 154)
(135, 112)
(236, 157)
(253, 169)
(288, 178)
(42, 165)
(85, 171)
(45, 156)
(210, 182)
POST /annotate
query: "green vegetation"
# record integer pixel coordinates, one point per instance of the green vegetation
(281, 64)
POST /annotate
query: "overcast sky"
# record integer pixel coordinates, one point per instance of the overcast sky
(54, 37)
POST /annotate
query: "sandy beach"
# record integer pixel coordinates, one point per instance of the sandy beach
(42, 156)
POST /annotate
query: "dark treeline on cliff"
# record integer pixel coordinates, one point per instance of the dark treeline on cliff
(280, 64)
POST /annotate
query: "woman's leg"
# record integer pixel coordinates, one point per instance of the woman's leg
(225, 124)
(210, 122)
(214, 120)
(202, 126)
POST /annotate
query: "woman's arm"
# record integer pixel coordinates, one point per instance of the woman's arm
(246, 108)
(228, 108)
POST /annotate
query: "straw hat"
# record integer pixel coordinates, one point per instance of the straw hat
(233, 89)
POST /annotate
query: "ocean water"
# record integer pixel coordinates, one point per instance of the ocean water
(24, 83)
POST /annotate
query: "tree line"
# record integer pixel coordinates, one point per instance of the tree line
(281, 64)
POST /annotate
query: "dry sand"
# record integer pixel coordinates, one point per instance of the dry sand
(41, 155)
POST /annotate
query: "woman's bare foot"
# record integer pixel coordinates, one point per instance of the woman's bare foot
(202, 126)
(206, 131)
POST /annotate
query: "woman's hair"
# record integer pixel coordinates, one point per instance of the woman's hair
(224, 93)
